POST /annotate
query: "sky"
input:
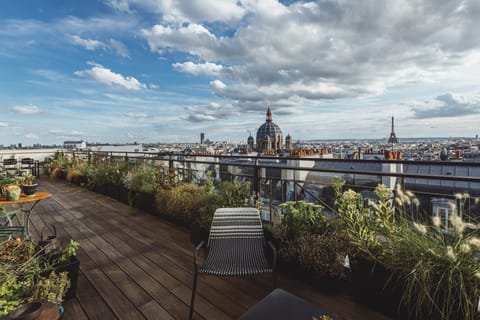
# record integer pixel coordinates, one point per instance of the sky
(121, 71)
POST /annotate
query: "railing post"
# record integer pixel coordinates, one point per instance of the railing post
(171, 170)
(256, 177)
(271, 200)
(294, 185)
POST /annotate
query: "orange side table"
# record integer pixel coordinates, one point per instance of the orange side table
(36, 198)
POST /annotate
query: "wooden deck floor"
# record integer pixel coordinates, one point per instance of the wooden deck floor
(137, 266)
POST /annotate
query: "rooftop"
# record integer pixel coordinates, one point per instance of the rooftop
(135, 265)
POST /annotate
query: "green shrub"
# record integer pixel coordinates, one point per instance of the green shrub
(299, 218)
(180, 204)
(101, 173)
(143, 178)
(323, 254)
(228, 195)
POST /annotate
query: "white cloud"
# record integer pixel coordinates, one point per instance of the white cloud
(66, 132)
(153, 86)
(227, 11)
(211, 112)
(31, 109)
(206, 68)
(448, 105)
(137, 115)
(192, 38)
(327, 49)
(218, 85)
(120, 5)
(88, 44)
(104, 75)
(120, 48)
(31, 135)
(3, 124)
(92, 45)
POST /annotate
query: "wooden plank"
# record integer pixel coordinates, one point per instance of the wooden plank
(74, 310)
(95, 307)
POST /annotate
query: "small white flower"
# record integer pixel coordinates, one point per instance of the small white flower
(465, 248)
(436, 221)
(416, 202)
(450, 253)
(474, 242)
(420, 228)
(399, 202)
(457, 222)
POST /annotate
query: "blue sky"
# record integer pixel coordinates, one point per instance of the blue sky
(166, 70)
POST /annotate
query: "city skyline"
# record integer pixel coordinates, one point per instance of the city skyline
(164, 71)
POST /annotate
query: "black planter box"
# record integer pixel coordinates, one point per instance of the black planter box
(377, 287)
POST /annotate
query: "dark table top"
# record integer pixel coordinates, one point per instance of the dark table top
(282, 305)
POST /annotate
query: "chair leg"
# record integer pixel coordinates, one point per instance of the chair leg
(274, 280)
(194, 288)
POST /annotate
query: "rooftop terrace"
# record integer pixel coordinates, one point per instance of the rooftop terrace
(135, 265)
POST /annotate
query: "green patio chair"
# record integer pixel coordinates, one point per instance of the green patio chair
(11, 232)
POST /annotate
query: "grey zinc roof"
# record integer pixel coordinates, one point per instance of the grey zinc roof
(443, 170)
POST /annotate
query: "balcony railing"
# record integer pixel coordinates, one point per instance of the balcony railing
(280, 179)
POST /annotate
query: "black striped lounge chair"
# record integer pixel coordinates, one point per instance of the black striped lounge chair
(236, 247)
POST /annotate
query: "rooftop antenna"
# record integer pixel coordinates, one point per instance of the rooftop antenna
(393, 138)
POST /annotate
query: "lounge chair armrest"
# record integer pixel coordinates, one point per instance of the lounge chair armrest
(274, 254)
(195, 252)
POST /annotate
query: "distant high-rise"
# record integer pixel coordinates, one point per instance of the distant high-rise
(202, 138)
(393, 138)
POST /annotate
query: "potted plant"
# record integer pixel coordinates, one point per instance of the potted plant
(21, 281)
(432, 273)
(29, 184)
(12, 192)
(65, 260)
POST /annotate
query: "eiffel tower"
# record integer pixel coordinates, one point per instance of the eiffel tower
(393, 138)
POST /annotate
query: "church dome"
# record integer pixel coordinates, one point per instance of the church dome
(269, 135)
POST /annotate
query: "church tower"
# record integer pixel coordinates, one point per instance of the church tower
(269, 135)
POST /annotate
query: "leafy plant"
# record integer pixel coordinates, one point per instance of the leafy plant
(302, 217)
(180, 204)
(68, 252)
(27, 179)
(228, 195)
(50, 289)
(10, 294)
(323, 254)
(141, 179)
(439, 269)
(21, 264)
